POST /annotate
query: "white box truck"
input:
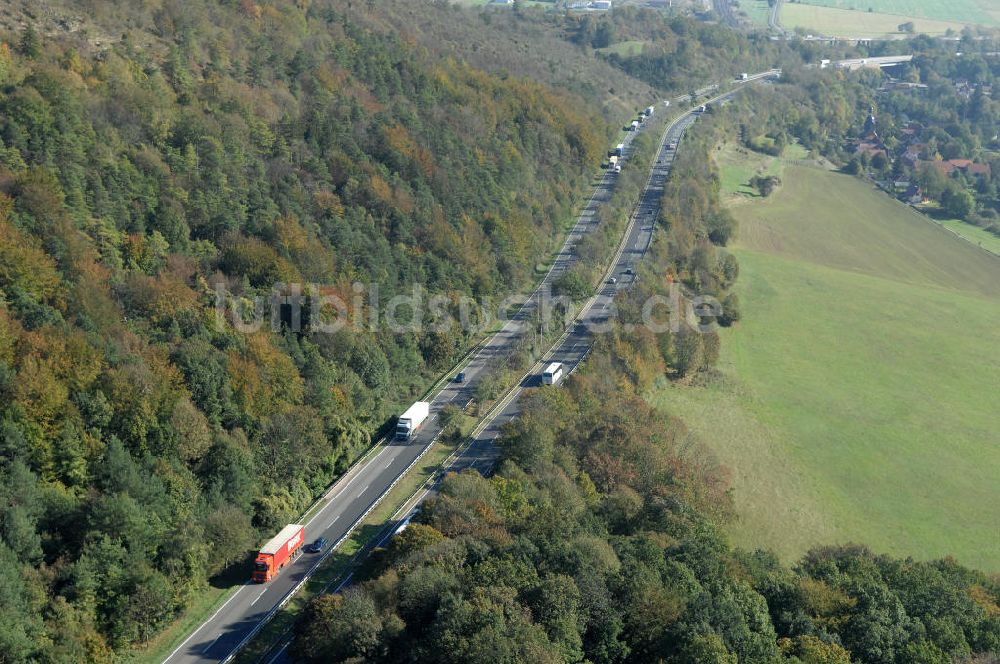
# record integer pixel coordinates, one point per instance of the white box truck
(620, 150)
(410, 421)
(635, 125)
(649, 111)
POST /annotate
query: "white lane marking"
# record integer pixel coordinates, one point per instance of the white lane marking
(258, 597)
(335, 520)
(365, 488)
(281, 651)
(207, 622)
(209, 646)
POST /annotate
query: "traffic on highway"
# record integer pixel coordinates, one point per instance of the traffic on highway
(355, 494)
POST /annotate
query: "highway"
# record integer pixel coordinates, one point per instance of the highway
(575, 343)
(350, 499)
(355, 494)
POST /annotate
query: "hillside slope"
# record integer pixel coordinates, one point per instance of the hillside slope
(157, 159)
(854, 392)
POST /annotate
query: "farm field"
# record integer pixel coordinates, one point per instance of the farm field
(849, 23)
(854, 400)
(981, 12)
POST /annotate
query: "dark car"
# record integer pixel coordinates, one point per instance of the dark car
(460, 377)
(317, 545)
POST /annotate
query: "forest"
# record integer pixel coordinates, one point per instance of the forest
(156, 154)
(144, 447)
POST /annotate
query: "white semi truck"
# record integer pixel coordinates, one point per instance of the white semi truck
(410, 421)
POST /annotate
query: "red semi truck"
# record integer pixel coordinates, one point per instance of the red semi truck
(278, 552)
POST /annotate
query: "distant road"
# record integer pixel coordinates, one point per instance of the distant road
(354, 495)
(725, 11)
(773, 17)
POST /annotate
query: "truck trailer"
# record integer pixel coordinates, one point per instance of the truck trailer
(278, 552)
(410, 421)
(552, 374)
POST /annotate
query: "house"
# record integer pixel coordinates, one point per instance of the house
(979, 170)
(910, 131)
(912, 153)
(870, 148)
(950, 166)
(964, 89)
(913, 195)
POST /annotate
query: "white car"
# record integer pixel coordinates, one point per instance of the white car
(613, 281)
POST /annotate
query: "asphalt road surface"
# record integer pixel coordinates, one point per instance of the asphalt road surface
(350, 499)
(573, 348)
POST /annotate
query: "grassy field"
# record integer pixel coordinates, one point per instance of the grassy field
(974, 234)
(981, 12)
(856, 399)
(738, 165)
(849, 23)
(757, 10)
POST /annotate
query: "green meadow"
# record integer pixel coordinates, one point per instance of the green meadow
(856, 400)
(982, 12)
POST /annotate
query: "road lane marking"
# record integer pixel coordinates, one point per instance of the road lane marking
(258, 597)
(207, 622)
(279, 654)
(363, 490)
(209, 646)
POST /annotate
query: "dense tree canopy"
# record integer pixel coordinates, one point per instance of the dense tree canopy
(211, 150)
(597, 541)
